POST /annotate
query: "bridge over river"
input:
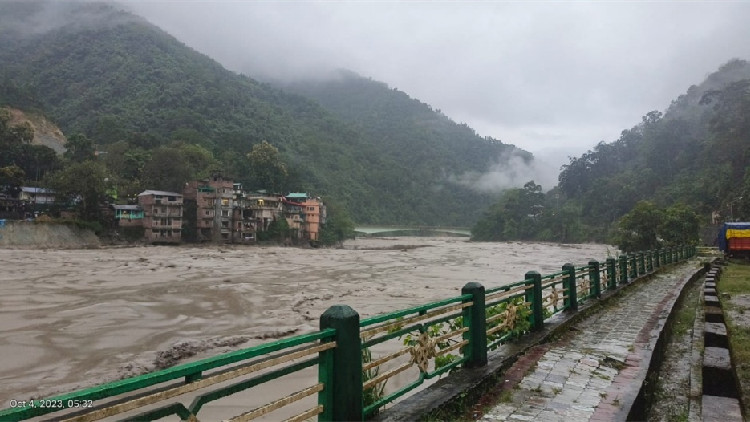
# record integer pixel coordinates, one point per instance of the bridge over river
(411, 231)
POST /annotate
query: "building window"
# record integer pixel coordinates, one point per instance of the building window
(225, 213)
(208, 212)
(225, 201)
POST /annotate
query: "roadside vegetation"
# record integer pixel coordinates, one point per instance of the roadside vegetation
(734, 290)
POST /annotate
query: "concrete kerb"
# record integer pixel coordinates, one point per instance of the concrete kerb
(451, 394)
(635, 401)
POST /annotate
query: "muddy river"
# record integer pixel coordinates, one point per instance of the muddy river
(74, 318)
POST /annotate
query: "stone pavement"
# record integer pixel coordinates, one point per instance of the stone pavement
(596, 372)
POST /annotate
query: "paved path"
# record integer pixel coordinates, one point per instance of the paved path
(597, 370)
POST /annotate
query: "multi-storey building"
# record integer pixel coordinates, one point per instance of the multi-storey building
(128, 215)
(261, 209)
(212, 201)
(295, 217)
(311, 212)
(315, 216)
(162, 216)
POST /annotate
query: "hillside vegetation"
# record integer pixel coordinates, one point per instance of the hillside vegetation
(691, 160)
(151, 102)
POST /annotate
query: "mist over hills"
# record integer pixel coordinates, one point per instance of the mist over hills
(114, 77)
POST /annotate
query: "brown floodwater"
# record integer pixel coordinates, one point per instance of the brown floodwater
(71, 319)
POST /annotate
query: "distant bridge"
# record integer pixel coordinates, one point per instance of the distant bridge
(411, 230)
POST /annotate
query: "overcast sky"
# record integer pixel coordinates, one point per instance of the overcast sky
(554, 78)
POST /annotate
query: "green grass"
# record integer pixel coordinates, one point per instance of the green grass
(734, 281)
(685, 315)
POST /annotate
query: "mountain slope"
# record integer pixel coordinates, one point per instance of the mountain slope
(697, 153)
(112, 76)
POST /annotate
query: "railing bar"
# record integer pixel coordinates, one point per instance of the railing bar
(503, 300)
(452, 348)
(197, 385)
(385, 317)
(495, 318)
(506, 286)
(382, 377)
(307, 414)
(553, 275)
(451, 334)
(385, 327)
(493, 330)
(135, 383)
(277, 404)
(404, 330)
(385, 359)
(523, 288)
(446, 368)
(367, 411)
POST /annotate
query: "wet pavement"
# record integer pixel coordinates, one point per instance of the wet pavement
(595, 373)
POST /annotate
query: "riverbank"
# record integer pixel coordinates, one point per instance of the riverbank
(40, 235)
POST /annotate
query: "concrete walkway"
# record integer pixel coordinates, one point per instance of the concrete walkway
(596, 372)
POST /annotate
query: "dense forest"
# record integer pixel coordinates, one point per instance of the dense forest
(159, 113)
(667, 175)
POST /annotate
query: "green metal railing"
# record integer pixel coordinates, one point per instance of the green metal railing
(353, 363)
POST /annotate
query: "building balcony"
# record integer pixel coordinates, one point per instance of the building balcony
(165, 226)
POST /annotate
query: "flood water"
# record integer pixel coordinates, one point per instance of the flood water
(71, 319)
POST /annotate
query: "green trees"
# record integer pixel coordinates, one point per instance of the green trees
(338, 226)
(84, 185)
(169, 167)
(648, 227)
(79, 148)
(16, 150)
(518, 215)
(638, 229)
(267, 170)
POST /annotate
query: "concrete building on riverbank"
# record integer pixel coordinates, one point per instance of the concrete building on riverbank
(210, 204)
(162, 216)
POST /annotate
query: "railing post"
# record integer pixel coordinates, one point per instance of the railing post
(342, 396)
(611, 273)
(633, 266)
(623, 269)
(641, 263)
(650, 261)
(657, 253)
(569, 283)
(534, 296)
(594, 277)
(475, 318)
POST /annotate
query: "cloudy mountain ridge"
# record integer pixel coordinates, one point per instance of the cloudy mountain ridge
(114, 77)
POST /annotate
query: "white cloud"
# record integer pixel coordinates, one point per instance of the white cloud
(540, 75)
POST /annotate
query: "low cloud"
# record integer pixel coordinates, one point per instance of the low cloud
(509, 171)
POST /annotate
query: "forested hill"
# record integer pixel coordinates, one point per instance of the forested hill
(408, 129)
(656, 185)
(415, 138)
(696, 153)
(140, 93)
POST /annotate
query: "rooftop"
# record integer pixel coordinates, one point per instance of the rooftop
(159, 193)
